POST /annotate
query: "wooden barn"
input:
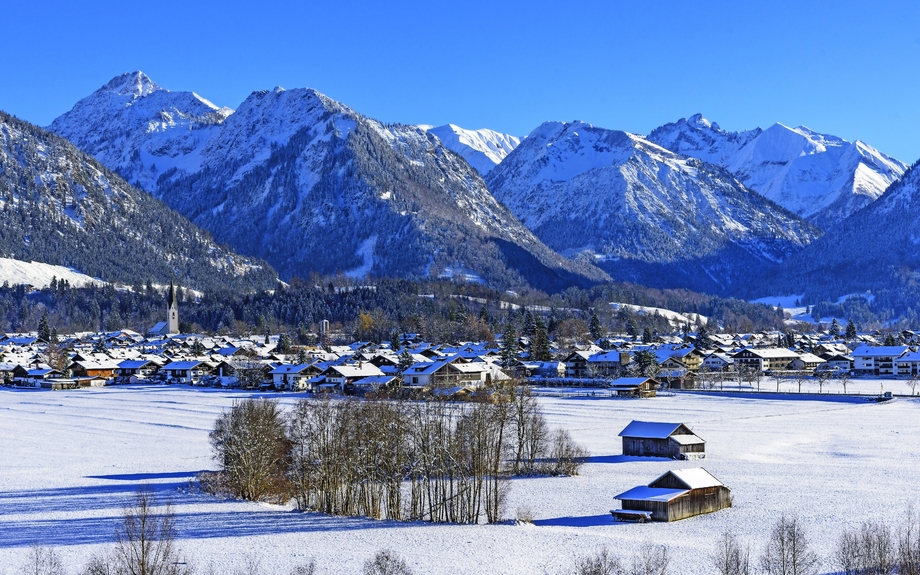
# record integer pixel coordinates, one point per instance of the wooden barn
(656, 439)
(673, 496)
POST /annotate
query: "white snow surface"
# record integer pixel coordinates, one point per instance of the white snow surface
(40, 275)
(820, 177)
(483, 149)
(71, 459)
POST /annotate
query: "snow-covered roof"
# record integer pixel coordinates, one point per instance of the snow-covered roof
(643, 493)
(687, 439)
(649, 429)
(693, 478)
(880, 351)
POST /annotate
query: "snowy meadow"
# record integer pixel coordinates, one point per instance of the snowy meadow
(71, 460)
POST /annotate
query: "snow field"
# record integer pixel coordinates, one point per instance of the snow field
(70, 460)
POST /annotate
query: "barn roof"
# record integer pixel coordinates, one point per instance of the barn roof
(650, 429)
(687, 439)
(693, 478)
(643, 493)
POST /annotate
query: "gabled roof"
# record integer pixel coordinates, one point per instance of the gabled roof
(693, 478)
(880, 351)
(181, 365)
(650, 429)
(288, 368)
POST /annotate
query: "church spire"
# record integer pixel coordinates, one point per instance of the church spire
(172, 310)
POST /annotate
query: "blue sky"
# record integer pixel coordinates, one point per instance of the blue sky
(845, 68)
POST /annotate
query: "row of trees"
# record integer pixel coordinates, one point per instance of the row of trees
(435, 461)
(871, 549)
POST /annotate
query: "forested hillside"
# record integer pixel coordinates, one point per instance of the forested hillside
(60, 206)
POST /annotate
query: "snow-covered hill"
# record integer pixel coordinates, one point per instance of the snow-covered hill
(40, 275)
(820, 177)
(312, 186)
(59, 206)
(645, 214)
(483, 149)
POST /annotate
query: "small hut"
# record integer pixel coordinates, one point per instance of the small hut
(673, 496)
(656, 439)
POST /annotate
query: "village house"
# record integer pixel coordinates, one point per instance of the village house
(189, 372)
(293, 377)
(634, 386)
(676, 495)
(576, 363)
(105, 370)
(764, 359)
(877, 360)
(908, 365)
(718, 362)
(608, 363)
(836, 363)
(806, 362)
(655, 439)
(135, 370)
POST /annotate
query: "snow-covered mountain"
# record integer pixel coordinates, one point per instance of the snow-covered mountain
(642, 212)
(483, 149)
(59, 206)
(819, 177)
(876, 248)
(312, 186)
(139, 129)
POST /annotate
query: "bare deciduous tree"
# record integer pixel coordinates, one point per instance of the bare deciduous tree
(386, 562)
(251, 445)
(869, 550)
(604, 563)
(788, 551)
(909, 545)
(144, 543)
(42, 561)
(730, 557)
(566, 457)
(650, 559)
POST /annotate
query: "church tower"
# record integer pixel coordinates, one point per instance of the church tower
(172, 310)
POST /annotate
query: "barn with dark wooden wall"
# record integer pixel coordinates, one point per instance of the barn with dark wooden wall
(673, 496)
(657, 439)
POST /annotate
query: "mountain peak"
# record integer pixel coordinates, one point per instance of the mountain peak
(135, 84)
(698, 121)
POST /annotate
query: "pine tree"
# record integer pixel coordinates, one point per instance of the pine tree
(851, 330)
(703, 339)
(509, 351)
(595, 327)
(539, 346)
(632, 330)
(44, 330)
(646, 335)
(835, 329)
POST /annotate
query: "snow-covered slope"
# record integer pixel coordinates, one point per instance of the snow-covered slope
(59, 206)
(819, 177)
(483, 149)
(644, 213)
(312, 186)
(39, 275)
